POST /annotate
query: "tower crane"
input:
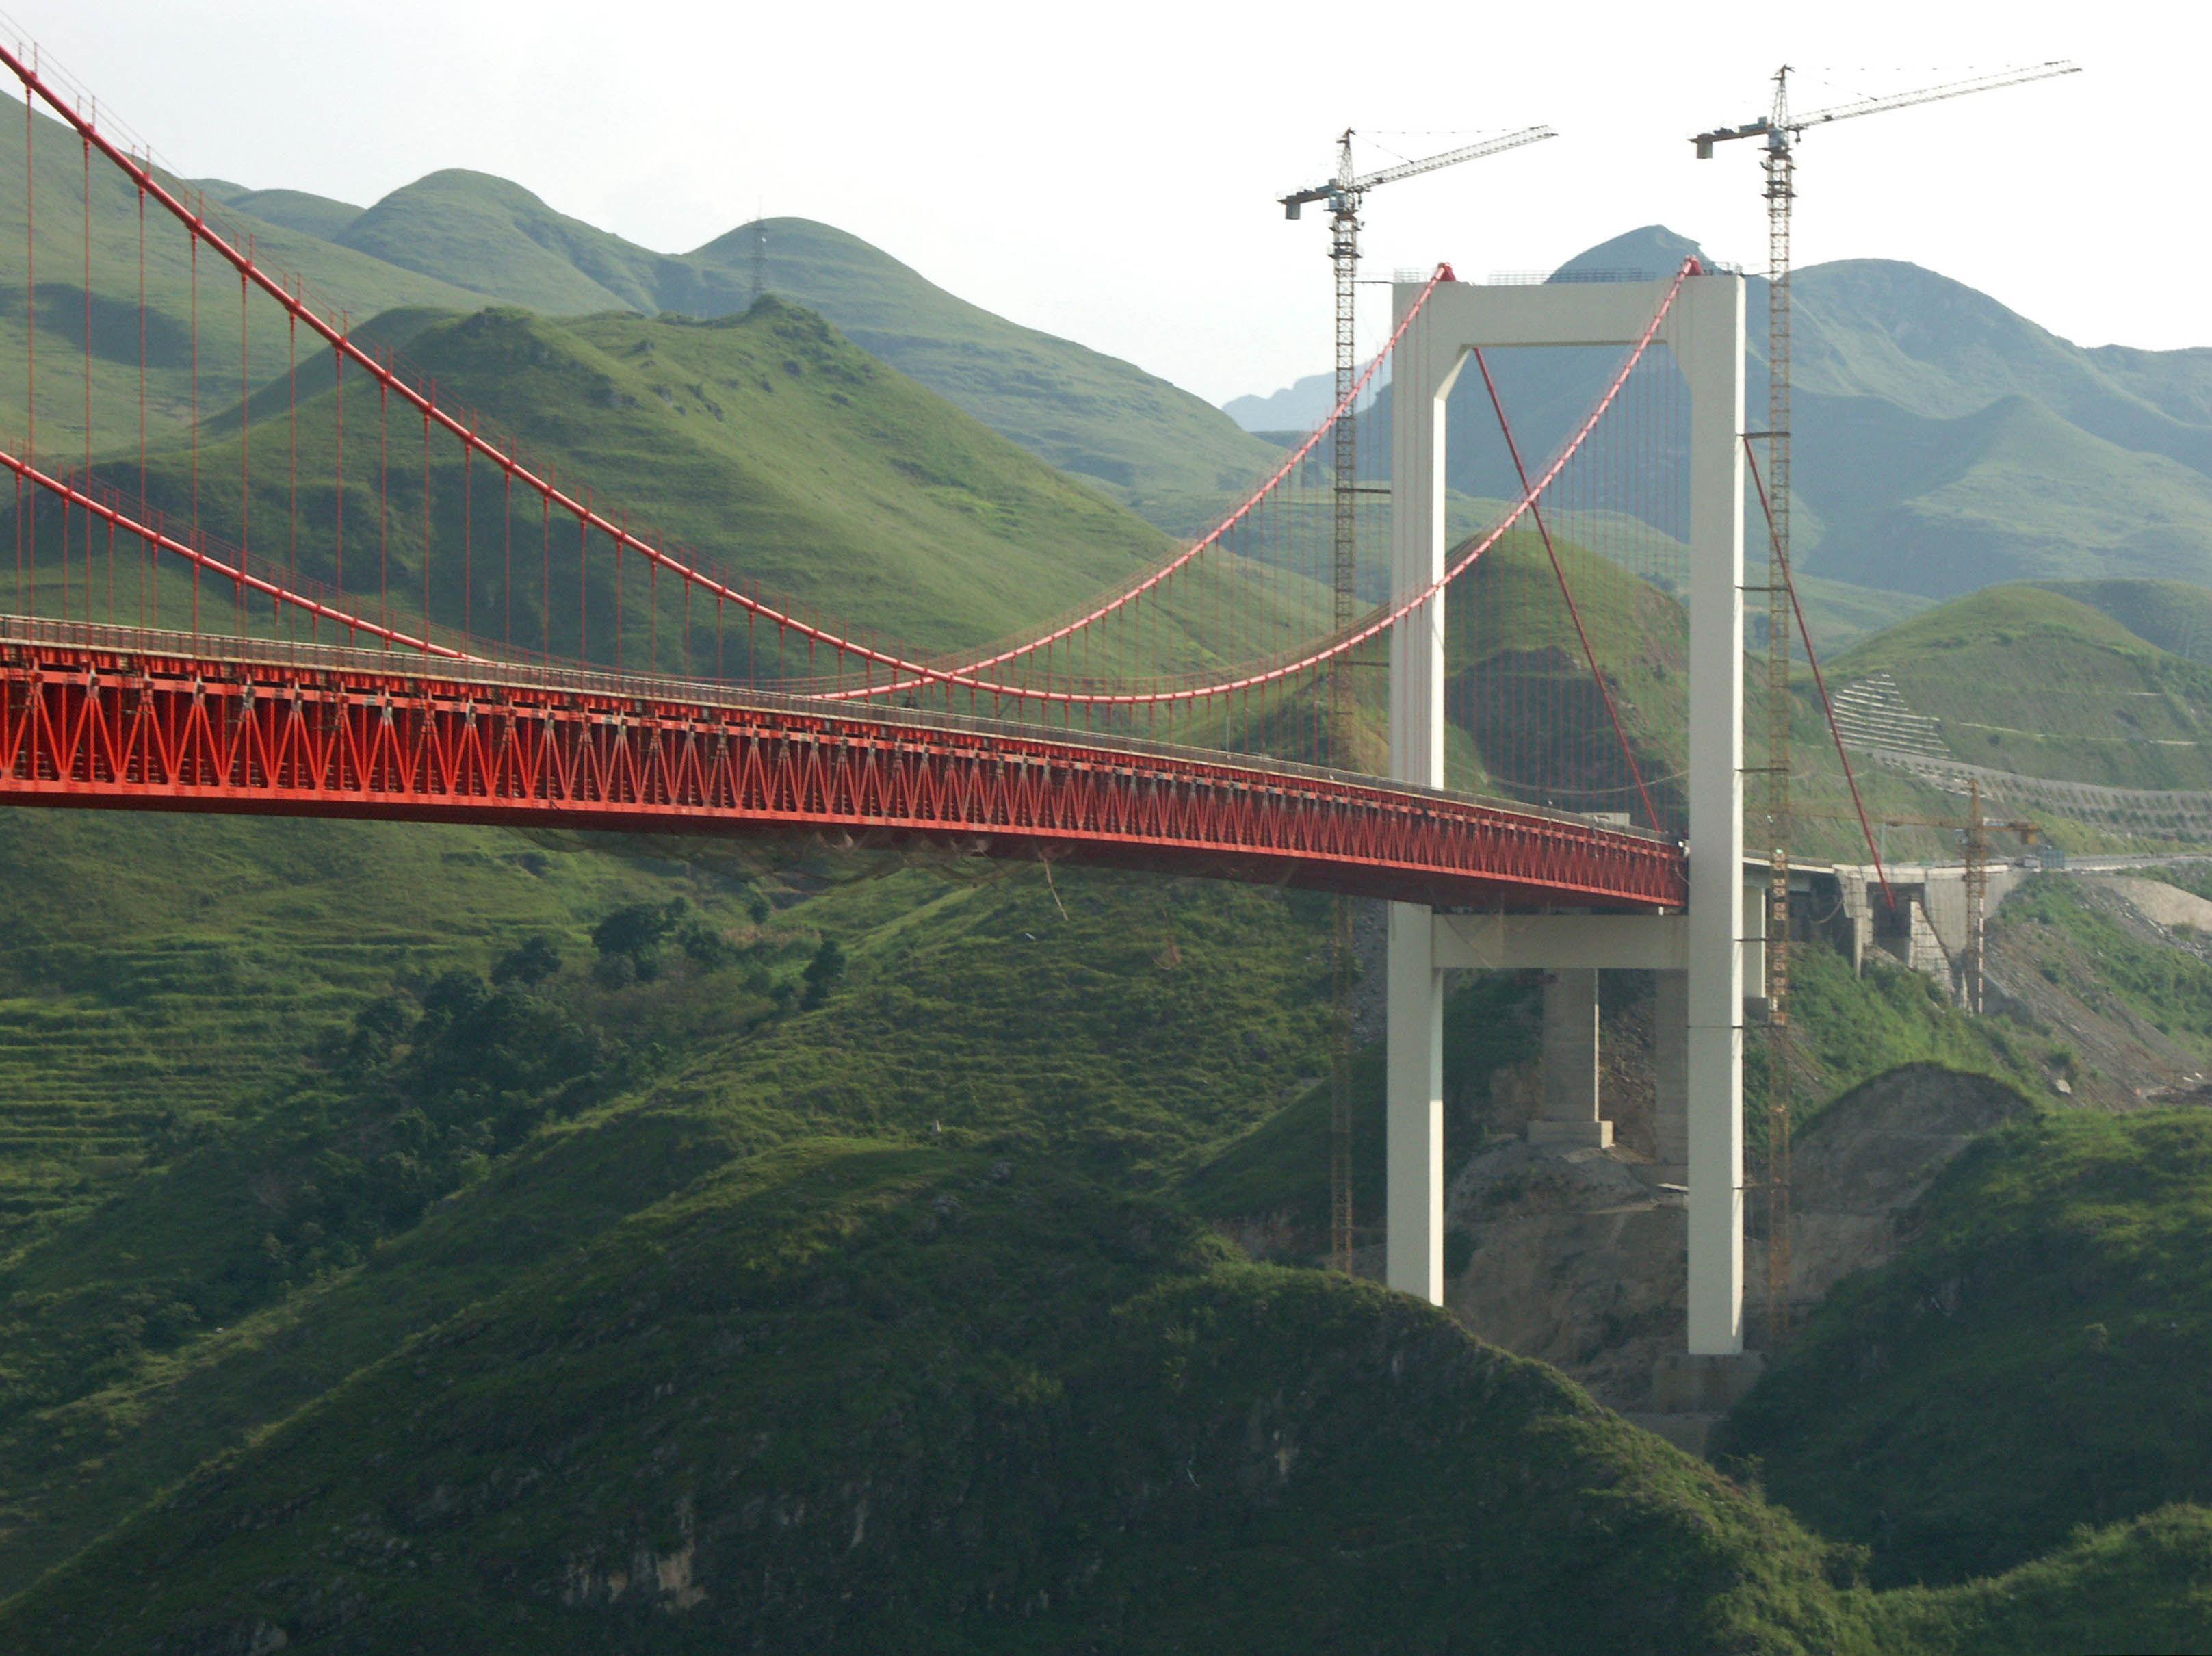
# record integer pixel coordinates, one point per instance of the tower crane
(1782, 129)
(1344, 194)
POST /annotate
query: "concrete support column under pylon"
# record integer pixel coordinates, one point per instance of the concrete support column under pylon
(1569, 1116)
(1670, 1076)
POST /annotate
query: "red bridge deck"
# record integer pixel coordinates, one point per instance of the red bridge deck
(109, 716)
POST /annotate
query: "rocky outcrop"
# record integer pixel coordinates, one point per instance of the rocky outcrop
(1580, 1258)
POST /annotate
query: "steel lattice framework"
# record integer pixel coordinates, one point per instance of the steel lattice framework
(101, 717)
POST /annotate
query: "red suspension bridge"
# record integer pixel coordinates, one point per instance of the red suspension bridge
(262, 566)
(158, 657)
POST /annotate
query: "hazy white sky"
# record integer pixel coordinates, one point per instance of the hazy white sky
(1110, 173)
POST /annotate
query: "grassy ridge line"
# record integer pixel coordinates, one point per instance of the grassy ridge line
(455, 240)
(346, 282)
(2176, 616)
(1134, 435)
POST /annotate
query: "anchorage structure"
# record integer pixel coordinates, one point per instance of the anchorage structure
(1699, 954)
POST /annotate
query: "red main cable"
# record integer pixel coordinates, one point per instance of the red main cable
(1574, 610)
(1383, 618)
(116, 518)
(587, 519)
(1820, 681)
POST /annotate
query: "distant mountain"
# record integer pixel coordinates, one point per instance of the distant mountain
(1297, 408)
(2174, 615)
(1943, 442)
(296, 209)
(1151, 444)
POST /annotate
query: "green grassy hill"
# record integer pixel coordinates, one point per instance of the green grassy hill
(1148, 442)
(2034, 681)
(949, 1402)
(766, 446)
(458, 240)
(2032, 1362)
(296, 209)
(2174, 615)
(551, 1313)
(341, 280)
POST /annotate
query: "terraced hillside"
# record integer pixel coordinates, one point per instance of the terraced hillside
(2019, 679)
(159, 975)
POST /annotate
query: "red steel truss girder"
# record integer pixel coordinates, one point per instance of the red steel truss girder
(89, 726)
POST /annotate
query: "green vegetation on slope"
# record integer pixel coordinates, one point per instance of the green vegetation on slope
(948, 1402)
(2169, 988)
(341, 281)
(765, 444)
(1849, 1028)
(160, 977)
(1126, 1027)
(555, 1282)
(2028, 680)
(2145, 1585)
(2174, 615)
(1146, 441)
(1280, 1167)
(2033, 1361)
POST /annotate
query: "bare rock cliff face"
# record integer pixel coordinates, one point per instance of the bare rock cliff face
(1579, 1259)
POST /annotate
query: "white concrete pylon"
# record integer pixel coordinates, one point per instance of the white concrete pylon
(1704, 332)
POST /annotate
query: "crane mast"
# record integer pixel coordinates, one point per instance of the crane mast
(1780, 162)
(1344, 194)
(1782, 129)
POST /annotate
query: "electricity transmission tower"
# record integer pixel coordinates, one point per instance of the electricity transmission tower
(1344, 194)
(1782, 130)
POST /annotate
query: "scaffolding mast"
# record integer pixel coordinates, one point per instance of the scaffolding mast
(1344, 193)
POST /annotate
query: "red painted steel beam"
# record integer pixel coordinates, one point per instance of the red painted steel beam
(104, 717)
